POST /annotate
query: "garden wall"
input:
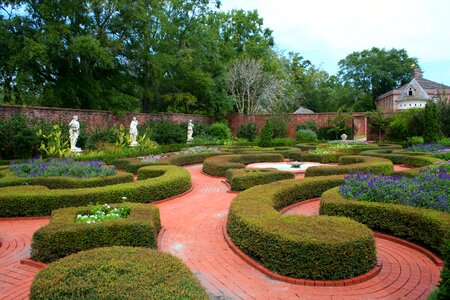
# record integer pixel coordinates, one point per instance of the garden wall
(104, 119)
(95, 118)
(321, 119)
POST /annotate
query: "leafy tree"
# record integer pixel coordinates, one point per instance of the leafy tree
(432, 128)
(376, 71)
(265, 139)
(379, 121)
(338, 124)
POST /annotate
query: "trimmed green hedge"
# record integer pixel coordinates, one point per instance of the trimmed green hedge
(396, 156)
(321, 158)
(63, 236)
(117, 273)
(306, 146)
(348, 164)
(319, 248)
(160, 182)
(443, 291)
(420, 161)
(242, 179)
(428, 227)
(132, 165)
(218, 165)
(8, 178)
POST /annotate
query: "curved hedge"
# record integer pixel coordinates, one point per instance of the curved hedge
(309, 157)
(117, 273)
(348, 164)
(242, 179)
(396, 156)
(8, 178)
(63, 236)
(218, 165)
(132, 165)
(306, 146)
(428, 227)
(160, 182)
(319, 248)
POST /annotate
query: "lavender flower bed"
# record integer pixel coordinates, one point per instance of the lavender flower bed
(430, 189)
(61, 167)
(431, 147)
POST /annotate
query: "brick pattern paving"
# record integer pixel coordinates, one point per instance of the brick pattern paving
(193, 231)
(15, 239)
(193, 226)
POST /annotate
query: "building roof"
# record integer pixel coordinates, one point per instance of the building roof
(302, 110)
(413, 91)
(427, 84)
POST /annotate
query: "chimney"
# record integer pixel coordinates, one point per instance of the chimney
(416, 73)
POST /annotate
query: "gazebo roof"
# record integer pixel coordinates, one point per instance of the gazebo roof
(302, 110)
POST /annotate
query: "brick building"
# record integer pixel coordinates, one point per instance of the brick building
(414, 94)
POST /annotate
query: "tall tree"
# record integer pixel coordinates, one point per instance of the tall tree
(376, 71)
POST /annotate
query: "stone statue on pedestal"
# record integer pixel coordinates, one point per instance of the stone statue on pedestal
(190, 131)
(133, 132)
(74, 132)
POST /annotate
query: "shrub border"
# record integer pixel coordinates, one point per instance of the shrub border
(334, 204)
(353, 163)
(54, 240)
(156, 183)
(240, 179)
(251, 226)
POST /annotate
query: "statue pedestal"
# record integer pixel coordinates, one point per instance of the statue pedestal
(134, 144)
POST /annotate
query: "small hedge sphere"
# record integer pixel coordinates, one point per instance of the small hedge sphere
(117, 273)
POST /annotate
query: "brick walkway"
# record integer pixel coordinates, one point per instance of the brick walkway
(15, 239)
(193, 231)
(193, 226)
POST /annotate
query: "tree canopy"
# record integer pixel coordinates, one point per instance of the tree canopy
(376, 71)
(172, 55)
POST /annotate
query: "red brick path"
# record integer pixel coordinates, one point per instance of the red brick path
(15, 239)
(193, 233)
(193, 226)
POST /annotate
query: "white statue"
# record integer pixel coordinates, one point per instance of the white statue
(190, 131)
(133, 132)
(74, 132)
(344, 137)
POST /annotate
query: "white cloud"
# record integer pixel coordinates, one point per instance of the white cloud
(327, 31)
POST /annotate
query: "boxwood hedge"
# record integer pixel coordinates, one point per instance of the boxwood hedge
(132, 165)
(428, 227)
(348, 164)
(117, 273)
(319, 248)
(396, 156)
(305, 156)
(155, 183)
(242, 179)
(8, 178)
(64, 236)
(218, 165)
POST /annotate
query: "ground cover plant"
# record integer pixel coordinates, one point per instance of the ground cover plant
(61, 167)
(430, 189)
(101, 213)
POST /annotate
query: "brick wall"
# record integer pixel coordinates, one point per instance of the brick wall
(95, 118)
(321, 119)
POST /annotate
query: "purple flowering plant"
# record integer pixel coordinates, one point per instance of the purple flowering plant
(61, 167)
(430, 189)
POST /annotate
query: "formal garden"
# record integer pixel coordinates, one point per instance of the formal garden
(104, 233)
(172, 150)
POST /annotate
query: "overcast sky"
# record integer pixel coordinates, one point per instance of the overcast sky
(327, 31)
